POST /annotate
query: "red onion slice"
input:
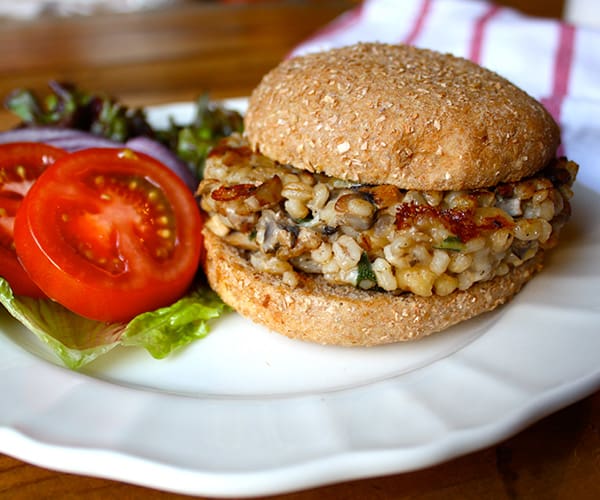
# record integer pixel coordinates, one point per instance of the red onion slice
(65, 138)
(164, 155)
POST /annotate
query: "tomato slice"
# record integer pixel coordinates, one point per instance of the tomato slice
(21, 163)
(109, 234)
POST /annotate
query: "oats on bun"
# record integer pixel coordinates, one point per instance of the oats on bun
(381, 193)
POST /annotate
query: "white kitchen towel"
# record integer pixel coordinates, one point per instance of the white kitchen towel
(556, 62)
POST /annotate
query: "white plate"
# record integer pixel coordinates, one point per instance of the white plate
(247, 412)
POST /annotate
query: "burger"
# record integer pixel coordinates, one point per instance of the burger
(381, 193)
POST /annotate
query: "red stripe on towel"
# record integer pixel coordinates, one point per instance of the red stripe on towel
(563, 63)
(419, 22)
(478, 31)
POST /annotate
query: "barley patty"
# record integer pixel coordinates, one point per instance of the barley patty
(379, 236)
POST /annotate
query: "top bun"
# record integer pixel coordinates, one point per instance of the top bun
(394, 114)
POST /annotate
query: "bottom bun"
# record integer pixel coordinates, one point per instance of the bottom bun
(318, 311)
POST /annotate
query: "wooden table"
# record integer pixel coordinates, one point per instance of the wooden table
(176, 53)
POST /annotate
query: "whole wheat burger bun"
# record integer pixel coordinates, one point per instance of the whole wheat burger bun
(319, 312)
(395, 114)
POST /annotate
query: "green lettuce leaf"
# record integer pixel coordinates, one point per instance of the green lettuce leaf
(77, 341)
(162, 331)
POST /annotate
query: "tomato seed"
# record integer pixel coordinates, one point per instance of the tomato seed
(127, 154)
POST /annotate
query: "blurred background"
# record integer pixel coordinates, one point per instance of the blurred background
(153, 51)
(24, 9)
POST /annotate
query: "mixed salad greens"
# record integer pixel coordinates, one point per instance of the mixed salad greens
(67, 106)
(75, 339)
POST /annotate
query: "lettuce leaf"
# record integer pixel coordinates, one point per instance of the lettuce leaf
(162, 331)
(76, 341)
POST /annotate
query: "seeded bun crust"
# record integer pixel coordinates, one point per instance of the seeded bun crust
(343, 315)
(395, 114)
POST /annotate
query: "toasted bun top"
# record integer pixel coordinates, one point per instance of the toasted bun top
(395, 114)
